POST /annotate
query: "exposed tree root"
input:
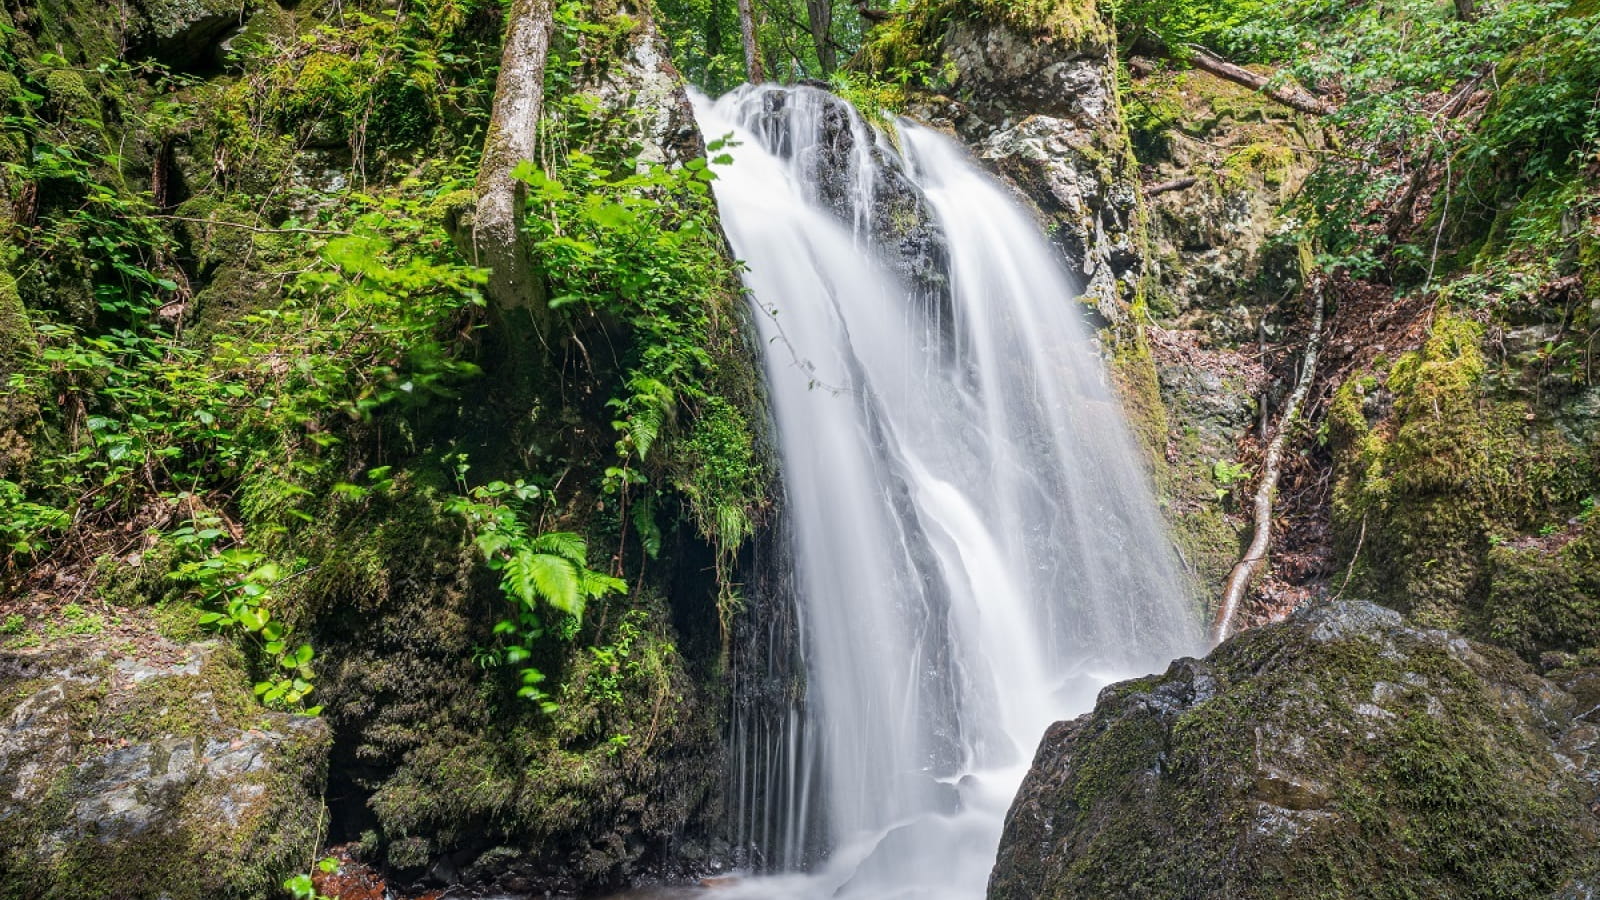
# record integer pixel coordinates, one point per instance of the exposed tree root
(1244, 571)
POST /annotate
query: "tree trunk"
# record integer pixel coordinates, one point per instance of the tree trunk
(1466, 10)
(1291, 95)
(1245, 570)
(752, 50)
(820, 15)
(497, 239)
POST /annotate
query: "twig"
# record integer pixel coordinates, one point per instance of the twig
(1176, 184)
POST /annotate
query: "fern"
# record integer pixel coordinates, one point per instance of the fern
(546, 577)
(536, 577)
(564, 544)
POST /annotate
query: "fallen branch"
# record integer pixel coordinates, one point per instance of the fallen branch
(1289, 94)
(1245, 569)
(1176, 184)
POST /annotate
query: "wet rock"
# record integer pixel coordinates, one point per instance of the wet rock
(1343, 752)
(1039, 106)
(150, 776)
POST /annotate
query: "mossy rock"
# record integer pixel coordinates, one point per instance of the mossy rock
(1544, 592)
(151, 775)
(1431, 469)
(184, 33)
(1342, 753)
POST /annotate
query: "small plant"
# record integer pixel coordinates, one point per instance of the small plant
(234, 585)
(545, 576)
(1227, 474)
(14, 624)
(304, 887)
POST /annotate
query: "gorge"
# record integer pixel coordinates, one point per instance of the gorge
(445, 452)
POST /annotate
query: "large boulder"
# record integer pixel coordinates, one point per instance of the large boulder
(1342, 753)
(147, 775)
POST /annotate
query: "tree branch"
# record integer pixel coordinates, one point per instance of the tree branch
(1176, 184)
(1289, 94)
(1245, 569)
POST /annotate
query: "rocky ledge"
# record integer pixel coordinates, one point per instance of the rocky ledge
(1342, 753)
(150, 774)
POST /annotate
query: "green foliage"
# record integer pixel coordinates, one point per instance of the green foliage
(705, 40)
(641, 247)
(1227, 473)
(234, 586)
(1393, 68)
(546, 576)
(1176, 23)
(302, 887)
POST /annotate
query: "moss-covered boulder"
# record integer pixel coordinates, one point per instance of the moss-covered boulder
(150, 774)
(1342, 753)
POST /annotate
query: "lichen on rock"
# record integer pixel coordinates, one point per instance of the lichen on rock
(154, 774)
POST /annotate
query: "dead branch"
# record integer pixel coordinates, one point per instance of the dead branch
(1245, 569)
(1288, 93)
(1176, 184)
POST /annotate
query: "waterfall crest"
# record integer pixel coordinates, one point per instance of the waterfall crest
(976, 549)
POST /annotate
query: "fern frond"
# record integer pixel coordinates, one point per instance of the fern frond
(535, 577)
(564, 544)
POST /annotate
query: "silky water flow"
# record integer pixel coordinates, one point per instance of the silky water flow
(975, 544)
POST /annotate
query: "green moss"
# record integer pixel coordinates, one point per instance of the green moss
(1417, 496)
(71, 97)
(1544, 599)
(1376, 764)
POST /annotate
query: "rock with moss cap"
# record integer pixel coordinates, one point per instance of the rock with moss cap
(1343, 753)
(1031, 86)
(150, 775)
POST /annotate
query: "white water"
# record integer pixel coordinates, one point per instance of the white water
(976, 547)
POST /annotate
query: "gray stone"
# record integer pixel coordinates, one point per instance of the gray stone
(1310, 750)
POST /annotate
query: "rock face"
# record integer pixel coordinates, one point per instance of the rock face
(184, 33)
(1342, 753)
(1039, 105)
(150, 776)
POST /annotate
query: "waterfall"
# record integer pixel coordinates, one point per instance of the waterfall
(975, 546)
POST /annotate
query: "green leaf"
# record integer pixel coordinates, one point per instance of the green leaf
(564, 544)
(543, 576)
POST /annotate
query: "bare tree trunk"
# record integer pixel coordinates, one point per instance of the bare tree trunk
(752, 50)
(513, 138)
(1245, 569)
(819, 13)
(1291, 95)
(1466, 10)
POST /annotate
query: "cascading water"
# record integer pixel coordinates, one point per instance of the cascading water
(976, 550)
